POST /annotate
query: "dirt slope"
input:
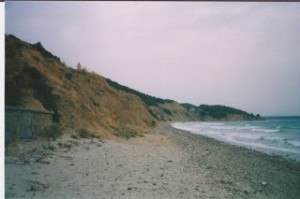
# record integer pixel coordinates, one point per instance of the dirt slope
(37, 79)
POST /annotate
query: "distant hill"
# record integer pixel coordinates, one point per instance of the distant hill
(35, 78)
(221, 112)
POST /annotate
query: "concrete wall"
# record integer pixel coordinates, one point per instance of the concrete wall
(25, 124)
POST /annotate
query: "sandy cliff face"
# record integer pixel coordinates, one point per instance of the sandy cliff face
(35, 78)
(171, 112)
(79, 98)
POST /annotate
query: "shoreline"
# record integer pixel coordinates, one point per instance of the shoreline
(166, 163)
(291, 156)
(272, 170)
(282, 156)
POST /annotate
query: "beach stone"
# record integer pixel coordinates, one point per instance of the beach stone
(14, 160)
(264, 183)
(34, 185)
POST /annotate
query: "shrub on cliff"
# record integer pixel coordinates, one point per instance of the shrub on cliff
(125, 133)
(84, 133)
(52, 131)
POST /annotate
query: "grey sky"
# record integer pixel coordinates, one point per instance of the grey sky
(245, 55)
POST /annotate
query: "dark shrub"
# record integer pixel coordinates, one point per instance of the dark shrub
(95, 104)
(52, 131)
(33, 73)
(153, 114)
(125, 133)
(167, 111)
(84, 133)
(68, 75)
(74, 136)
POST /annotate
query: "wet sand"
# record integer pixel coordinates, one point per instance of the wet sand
(167, 163)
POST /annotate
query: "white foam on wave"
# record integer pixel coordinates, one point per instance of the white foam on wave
(265, 130)
(224, 127)
(294, 143)
(247, 136)
(239, 128)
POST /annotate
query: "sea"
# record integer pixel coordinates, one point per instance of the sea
(274, 135)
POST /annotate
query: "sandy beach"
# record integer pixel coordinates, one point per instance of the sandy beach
(166, 163)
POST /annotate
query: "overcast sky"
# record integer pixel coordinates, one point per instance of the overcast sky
(245, 55)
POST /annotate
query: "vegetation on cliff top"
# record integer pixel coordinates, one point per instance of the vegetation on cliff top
(221, 111)
(147, 99)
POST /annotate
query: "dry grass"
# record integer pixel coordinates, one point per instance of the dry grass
(84, 133)
(125, 133)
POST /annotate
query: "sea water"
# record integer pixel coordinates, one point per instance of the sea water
(274, 135)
